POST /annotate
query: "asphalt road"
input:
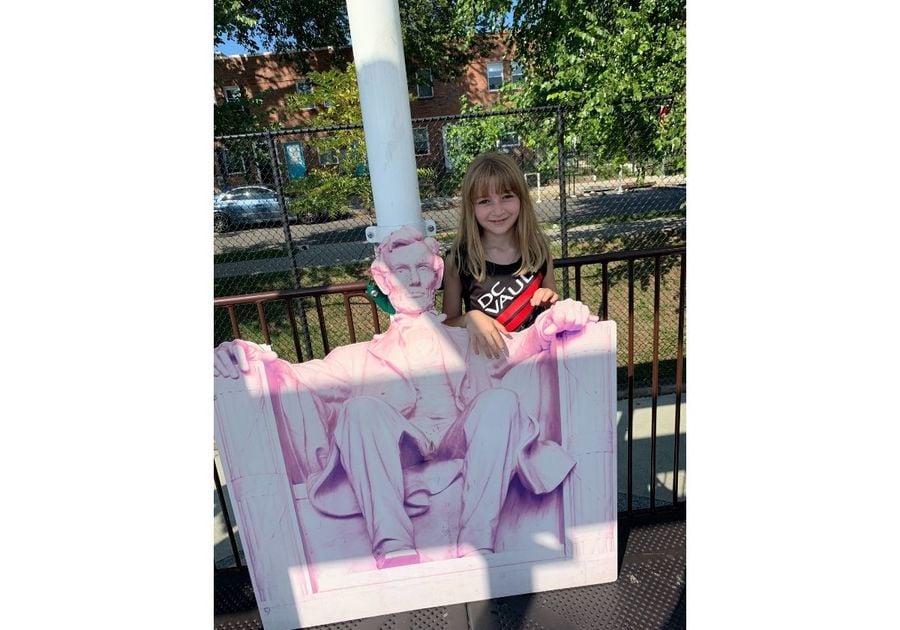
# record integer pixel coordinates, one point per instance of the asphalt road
(344, 241)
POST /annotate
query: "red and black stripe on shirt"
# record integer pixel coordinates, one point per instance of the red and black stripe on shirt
(504, 295)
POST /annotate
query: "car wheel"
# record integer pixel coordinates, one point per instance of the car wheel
(221, 223)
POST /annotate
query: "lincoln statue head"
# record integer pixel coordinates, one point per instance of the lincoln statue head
(408, 268)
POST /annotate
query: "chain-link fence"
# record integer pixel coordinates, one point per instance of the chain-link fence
(294, 204)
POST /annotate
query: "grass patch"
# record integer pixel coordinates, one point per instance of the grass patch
(250, 254)
(310, 277)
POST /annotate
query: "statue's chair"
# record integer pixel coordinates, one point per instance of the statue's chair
(303, 564)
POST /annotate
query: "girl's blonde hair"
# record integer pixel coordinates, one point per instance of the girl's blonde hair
(496, 172)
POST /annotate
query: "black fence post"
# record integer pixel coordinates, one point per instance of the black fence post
(561, 176)
(226, 517)
(288, 241)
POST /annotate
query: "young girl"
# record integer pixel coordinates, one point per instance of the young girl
(499, 265)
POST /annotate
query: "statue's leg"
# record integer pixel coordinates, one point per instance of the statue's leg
(368, 435)
(491, 427)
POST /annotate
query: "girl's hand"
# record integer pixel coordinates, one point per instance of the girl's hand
(486, 335)
(544, 296)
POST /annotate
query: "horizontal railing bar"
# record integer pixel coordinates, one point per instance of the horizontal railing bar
(265, 296)
(617, 256)
(360, 287)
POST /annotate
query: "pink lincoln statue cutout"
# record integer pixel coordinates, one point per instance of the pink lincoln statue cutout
(438, 411)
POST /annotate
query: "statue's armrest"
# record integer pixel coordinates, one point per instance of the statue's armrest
(586, 368)
(278, 393)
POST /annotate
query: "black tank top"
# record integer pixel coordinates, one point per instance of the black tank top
(503, 295)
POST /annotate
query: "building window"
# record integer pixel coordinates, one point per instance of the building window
(424, 87)
(305, 86)
(420, 140)
(232, 93)
(495, 75)
(328, 157)
(509, 140)
(516, 74)
(233, 164)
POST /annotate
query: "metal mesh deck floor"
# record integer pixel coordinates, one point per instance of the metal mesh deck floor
(649, 594)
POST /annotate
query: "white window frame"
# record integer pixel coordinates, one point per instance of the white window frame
(427, 141)
(430, 87)
(507, 145)
(514, 76)
(307, 83)
(228, 89)
(488, 74)
(229, 160)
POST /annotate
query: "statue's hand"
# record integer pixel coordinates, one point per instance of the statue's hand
(564, 316)
(231, 358)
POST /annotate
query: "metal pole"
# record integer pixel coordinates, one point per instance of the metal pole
(384, 99)
(561, 175)
(288, 241)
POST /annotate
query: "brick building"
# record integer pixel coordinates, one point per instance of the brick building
(275, 76)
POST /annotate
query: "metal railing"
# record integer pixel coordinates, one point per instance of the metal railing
(611, 284)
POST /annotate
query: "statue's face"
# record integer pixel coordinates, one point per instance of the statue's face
(413, 278)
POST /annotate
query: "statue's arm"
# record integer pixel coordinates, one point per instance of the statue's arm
(563, 316)
(304, 397)
(328, 377)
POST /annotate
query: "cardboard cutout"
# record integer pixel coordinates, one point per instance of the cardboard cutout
(407, 472)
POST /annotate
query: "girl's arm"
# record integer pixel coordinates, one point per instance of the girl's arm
(452, 307)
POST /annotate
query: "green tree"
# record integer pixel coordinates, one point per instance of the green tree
(469, 137)
(328, 190)
(241, 115)
(611, 59)
(440, 35)
(280, 25)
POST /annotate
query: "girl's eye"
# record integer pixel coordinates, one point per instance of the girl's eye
(481, 202)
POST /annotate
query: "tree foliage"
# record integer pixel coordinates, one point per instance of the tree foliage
(469, 137)
(613, 59)
(329, 189)
(441, 35)
(280, 25)
(242, 115)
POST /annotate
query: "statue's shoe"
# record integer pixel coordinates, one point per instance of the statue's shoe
(397, 558)
(464, 550)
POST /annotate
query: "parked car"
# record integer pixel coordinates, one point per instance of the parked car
(245, 205)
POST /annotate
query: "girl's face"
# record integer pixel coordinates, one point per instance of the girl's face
(497, 212)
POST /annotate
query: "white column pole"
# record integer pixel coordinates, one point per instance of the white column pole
(384, 98)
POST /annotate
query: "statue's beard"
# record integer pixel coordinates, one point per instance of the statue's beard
(414, 304)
